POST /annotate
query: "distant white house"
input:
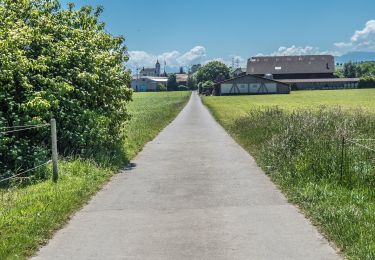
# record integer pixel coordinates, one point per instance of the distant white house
(147, 83)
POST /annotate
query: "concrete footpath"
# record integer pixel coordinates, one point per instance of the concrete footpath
(193, 194)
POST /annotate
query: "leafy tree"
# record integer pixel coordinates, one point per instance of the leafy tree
(191, 82)
(350, 70)
(339, 73)
(366, 69)
(194, 68)
(206, 87)
(59, 63)
(172, 82)
(214, 71)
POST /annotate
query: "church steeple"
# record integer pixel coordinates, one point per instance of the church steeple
(157, 68)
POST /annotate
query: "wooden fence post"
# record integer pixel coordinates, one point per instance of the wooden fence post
(55, 174)
(342, 158)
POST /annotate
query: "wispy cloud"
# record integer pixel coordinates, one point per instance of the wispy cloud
(361, 39)
(297, 50)
(174, 59)
(237, 59)
(193, 56)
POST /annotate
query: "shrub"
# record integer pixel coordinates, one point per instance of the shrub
(182, 88)
(62, 64)
(366, 82)
(161, 87)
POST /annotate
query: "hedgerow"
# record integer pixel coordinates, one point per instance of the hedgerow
(59, 63)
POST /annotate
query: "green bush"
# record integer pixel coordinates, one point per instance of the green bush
(161, 87)
(59, 63)
(366, 82)
(182, 88)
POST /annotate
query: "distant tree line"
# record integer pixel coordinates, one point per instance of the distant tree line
(364, 70)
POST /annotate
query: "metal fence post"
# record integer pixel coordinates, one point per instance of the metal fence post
(55, 174)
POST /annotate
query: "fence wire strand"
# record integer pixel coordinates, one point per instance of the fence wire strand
(363, 146)
(18, 126)
(29, 170)
(24, 129)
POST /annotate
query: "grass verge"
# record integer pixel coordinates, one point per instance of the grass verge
(29, 215)
(299, 148)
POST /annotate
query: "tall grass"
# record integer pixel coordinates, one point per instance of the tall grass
(301, 150)
(307, 143)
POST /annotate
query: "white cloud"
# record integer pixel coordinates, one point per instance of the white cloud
(365, 33)
(140, 58)
(229, 61)
(295, 50)
(192, 56)
(343, 44)
(174, 59)
(298, 50)
(361, 39)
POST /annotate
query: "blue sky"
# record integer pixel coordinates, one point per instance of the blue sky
(186, 32)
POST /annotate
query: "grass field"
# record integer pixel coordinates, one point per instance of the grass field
(298, 144)
(233, 106)
(29, 215)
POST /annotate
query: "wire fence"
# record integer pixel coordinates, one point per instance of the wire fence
(21, 128)
(4, 131)
(358, 159)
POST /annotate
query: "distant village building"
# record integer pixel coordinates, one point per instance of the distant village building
(147, 83)
(239, 72)
(151, 72)
(182, 78)
(148, 79)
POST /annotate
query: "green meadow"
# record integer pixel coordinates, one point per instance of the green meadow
(319, 148)
(231, 107)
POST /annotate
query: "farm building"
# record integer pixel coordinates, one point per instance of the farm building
(301, 72)
(250, 84)
(292, 67)
(182, 78)
(328, 83)
(147, 84)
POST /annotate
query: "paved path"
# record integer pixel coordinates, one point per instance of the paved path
(194, 194)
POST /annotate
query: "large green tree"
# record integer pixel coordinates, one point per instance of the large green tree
(172, 82)
(192, 81)
(350, 70)
(214, 71)
(59, 63)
